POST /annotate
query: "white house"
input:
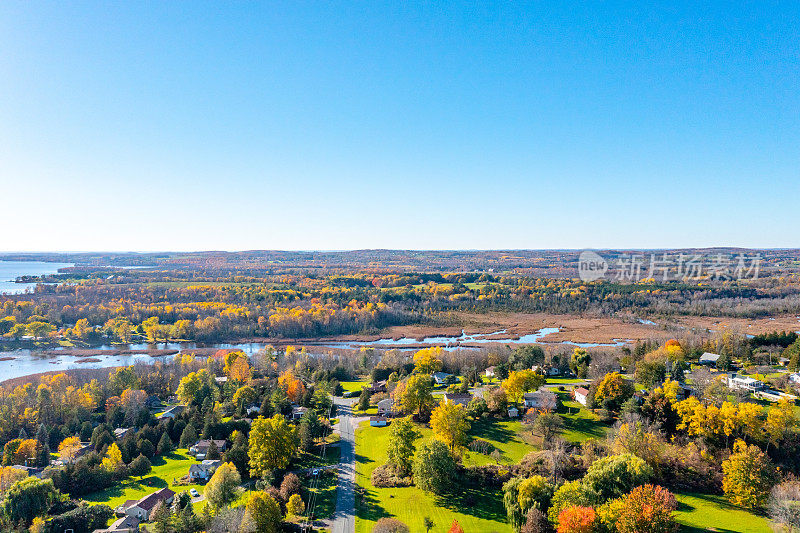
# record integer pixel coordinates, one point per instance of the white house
(490, 372)
(200, 448)
(385, 407)
(203, 470)
(542, 400)
(581, 395)
(141, 509)
(745, 383)
(513, 412)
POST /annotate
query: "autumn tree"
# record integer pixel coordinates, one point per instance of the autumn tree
(237, 367)
(535, 490)
(389, 525)
(428, 360)
(450, 424)
(416, 395)
(783, 508)
(455, 527)
(69, 448)
(223, 487)
(112, 460)
(263, 512)
(613, 390)
(295, 505)
(521, 381)
(293, 386)
(748, 476)
(273, 443)
(647, 508)
(576, 519)
(29, 498)
(579, 362)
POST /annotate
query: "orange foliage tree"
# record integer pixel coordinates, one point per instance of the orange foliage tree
(576, 519)
(647, 508)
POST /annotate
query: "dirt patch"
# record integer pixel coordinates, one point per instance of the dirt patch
(88, 360)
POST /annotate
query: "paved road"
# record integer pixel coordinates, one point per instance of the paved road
(344, 518)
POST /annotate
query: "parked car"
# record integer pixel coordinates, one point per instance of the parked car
(194, 493)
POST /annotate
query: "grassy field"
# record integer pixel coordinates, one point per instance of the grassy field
(505, 435)
(353, 386)
(579, 423)
(166, 471)
(474, 509)
(704, 512)
(325, 491)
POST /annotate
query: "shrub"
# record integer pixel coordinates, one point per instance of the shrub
(386, 476)
(390, 525)
(481, 446)
(647, 508)
(575, 519)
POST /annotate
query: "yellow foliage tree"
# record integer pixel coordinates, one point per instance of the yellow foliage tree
(449, 423)
(521, 381)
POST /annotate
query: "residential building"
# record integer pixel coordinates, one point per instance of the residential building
(581, 395)
(121, 433)
(709, 358)
(378, 421)
(542, 400)
(441, 378)
(126, 524)
(142, 508)
(490, 372)
(200, 448)
(741, 382)
(204, 470)
(298, 412)
(513, 412)
(461, 398)
(386, 407)
(174, 411)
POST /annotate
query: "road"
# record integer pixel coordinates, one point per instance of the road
(344, 520)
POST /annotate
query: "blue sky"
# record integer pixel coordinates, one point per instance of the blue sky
(189, 126)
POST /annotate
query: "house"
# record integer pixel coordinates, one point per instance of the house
(378, 421)
(153, 402)
(221, 380)
(490, 372)
(460, 398)
(204, 470)
(581, 395)
(744, 383)
(542, 400)
(377, 387)
(772, 395)
(385, 407)
(253, 409)
(442, 378)
(709, 358)
(200, 449)
(142, 508)
(126, 524)
(794, 377)
(86, 448)
(298, 412)
(121, 433)
(172, 412)
(513, 412)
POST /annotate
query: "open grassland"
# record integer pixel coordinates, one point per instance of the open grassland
(704, 512)
(474, 508)
(166, 472)
(353, 386)
(580, 424)
(507, 436)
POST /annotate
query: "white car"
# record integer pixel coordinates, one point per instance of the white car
(194, 493)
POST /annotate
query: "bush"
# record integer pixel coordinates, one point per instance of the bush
(386, 476)
(647, 508)
(481, 446)
(390, 525)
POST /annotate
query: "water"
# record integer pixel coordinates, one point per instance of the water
(24, 362)
(11, 270)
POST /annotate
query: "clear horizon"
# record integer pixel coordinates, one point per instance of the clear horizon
(198, 127)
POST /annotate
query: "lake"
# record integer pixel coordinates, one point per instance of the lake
(11, 270)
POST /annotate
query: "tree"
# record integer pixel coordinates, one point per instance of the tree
(748, 476)
(112, 460)
(238, 369)
(428, 360)
(29, 498)
(547, 426)
(293, 387)
(165, 444)
(783, 508)
(273, 443)
(416, 396)
(290, 485)
(650, 373)
(427, 522)
(434, 467)
(400, 450)
(521, 381)
(647, 508)
(615, 475)
(613, 390)
(69, 448)
(295, 505)
(780, 421)
(10, 475)
(140, 466)
(213, 451)
(571, 493)
(389, 525)
(455, 527)
(534, 490)
(363, 400)
(263, 512)
(188, 437)
(450, 425)
(579, 362)
(575, 519)
(222, 489)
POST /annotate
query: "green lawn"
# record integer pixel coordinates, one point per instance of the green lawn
(353, 386)
(704, 512)
(564, 381)
(164, 474)
(325, 503)
(505, 435)
(580, 424)
(475, 509)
